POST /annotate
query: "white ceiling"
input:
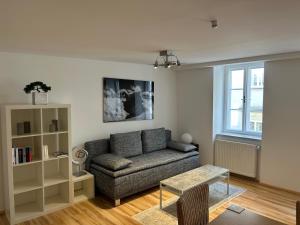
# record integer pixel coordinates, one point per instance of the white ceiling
(135, 30)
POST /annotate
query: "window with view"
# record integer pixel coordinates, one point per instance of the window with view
(244, 98)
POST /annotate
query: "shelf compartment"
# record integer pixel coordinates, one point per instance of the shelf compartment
(59, 114)
(57, 196)
(56, 171)
(20, 116)
(28, 204)
(57, 143)
(34, 142)
(83, 188)
(27, 178)
(26, 186)
(55, 179)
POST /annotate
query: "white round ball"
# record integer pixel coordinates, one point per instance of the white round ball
(186, 138)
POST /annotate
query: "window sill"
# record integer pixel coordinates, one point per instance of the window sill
(239, 137)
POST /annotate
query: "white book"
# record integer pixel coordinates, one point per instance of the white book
(17, 155)
(13, 156)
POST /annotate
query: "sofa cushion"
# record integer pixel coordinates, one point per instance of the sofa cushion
(147, 161)
(154, 139)
(126, 144)
(112, 161)
(181, 146)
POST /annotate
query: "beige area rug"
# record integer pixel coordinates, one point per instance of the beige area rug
(167, 216)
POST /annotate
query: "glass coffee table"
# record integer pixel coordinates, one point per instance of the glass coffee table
(182, 182)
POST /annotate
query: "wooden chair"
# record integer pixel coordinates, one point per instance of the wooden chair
(192, 206)
(298, 213)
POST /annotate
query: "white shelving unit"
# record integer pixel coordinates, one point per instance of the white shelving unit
(45, 184)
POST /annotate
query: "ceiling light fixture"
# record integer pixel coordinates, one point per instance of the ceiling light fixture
(167, 59)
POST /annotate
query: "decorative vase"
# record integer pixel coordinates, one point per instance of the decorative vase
(46, 151)
(55, 123)
(20, 128)
(27, 127)
(39, 98)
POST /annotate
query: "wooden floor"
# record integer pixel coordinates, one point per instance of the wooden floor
(273, 203)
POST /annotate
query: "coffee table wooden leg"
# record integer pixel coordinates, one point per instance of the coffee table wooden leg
(228, 177)
(160, 197)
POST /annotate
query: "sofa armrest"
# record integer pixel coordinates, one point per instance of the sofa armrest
(168, 135)
(95, 148)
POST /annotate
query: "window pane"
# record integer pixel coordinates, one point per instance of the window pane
(255, 122)
(256, 98)
(237, 79)
(236, 121)
(252, 125)
(236, 99)
(257, 77)
(256, 88)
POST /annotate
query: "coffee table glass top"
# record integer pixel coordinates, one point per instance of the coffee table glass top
(189, 179)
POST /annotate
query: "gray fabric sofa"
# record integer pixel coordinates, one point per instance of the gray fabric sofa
(149, 165)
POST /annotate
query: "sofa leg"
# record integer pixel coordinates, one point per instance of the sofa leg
(117, 202)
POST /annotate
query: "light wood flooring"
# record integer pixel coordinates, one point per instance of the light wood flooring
(271, 202)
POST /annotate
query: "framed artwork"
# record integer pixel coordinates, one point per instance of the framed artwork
(127, 100)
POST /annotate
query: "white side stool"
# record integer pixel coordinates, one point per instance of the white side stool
(83, 187)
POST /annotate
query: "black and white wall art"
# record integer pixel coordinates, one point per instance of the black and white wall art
(127, 100)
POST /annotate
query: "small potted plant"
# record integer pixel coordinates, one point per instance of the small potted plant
(39, 92)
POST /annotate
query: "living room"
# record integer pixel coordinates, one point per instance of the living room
(220, 99)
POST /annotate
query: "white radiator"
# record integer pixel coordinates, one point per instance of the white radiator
(239, 158)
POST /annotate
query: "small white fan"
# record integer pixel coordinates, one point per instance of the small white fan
(79, 156)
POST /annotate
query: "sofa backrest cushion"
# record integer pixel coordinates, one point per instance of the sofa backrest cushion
(154, 139)
(126, 144)
(95, 148)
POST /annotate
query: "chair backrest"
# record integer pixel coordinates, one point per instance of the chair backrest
(298, 213)
(192, 206)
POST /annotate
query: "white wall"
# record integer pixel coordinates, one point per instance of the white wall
(279, 162)
(1, 179)
(79, 82)
(280, 155)
(195, 108)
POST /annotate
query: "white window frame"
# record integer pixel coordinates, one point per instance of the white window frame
(246, 91)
